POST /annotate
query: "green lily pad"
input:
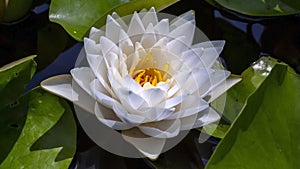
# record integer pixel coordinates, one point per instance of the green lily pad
(37, 129)
(14, 77)
(47, 138)
(260, 7)
(12, 10)
(78, 16)
(266, 133)
(252, 78)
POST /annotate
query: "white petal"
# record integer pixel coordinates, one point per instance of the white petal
(134, 60)
(136, 26)
(190, 105)
(197, 78)
(218, 44)
(98, 65)
(161, 129)
(178, 80)
(192, 58)
(183, 18)
(95, 34)
(171, 102)
(83, 77)
(216, 77)
(101, 96)
(209, 57)
(153, 114)
(177, 45)
(150, 17)
(62, 85)
(112, 29)
(206, 117)
(91, 47)
(149, 146)
(131, 99)
(131, 84)
(125, 43)
(223, 87)
(153, 96)
(162, 28)
(120, 21)
(107, 46)
(109, 118)
(149, 37)
(203, 118)
(126, 117)
(186, 30)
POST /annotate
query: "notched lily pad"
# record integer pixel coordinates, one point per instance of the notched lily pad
(48, 137)
(13, 79)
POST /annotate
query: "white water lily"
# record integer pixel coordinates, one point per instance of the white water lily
(147, 79)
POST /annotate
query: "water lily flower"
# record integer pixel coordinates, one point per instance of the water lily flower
(146, 79)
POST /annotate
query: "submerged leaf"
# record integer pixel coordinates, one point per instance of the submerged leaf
(265, 134)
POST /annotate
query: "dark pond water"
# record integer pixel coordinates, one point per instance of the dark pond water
(247, 38)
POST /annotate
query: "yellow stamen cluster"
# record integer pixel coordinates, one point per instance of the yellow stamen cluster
(151, 75)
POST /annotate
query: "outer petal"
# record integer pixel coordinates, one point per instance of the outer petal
(205, 117)
(83, 77)
(183, 18)
(95, 34)
(136, 26)
(63, 86)
(223, 87)
(120, 21)
(186, 30)
(149, 146)
(109, 118)
(162, 28)
(150, 17)
(161, 129)
(190, 105)
(112, 29)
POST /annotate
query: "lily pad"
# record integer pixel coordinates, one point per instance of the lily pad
(12, 10)
(260, 7)
(252, 78)
(14, 77)
(266, 133)
(37, 129)
(48, 137)
(78, 16)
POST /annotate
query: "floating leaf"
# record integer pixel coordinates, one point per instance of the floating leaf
(13, 79)
(78, 16)
(11, 10)
(252, 78)
(266, 133)
(46, 140)
(260, 7)
(37, 129)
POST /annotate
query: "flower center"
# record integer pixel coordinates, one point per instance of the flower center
(151, 75)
